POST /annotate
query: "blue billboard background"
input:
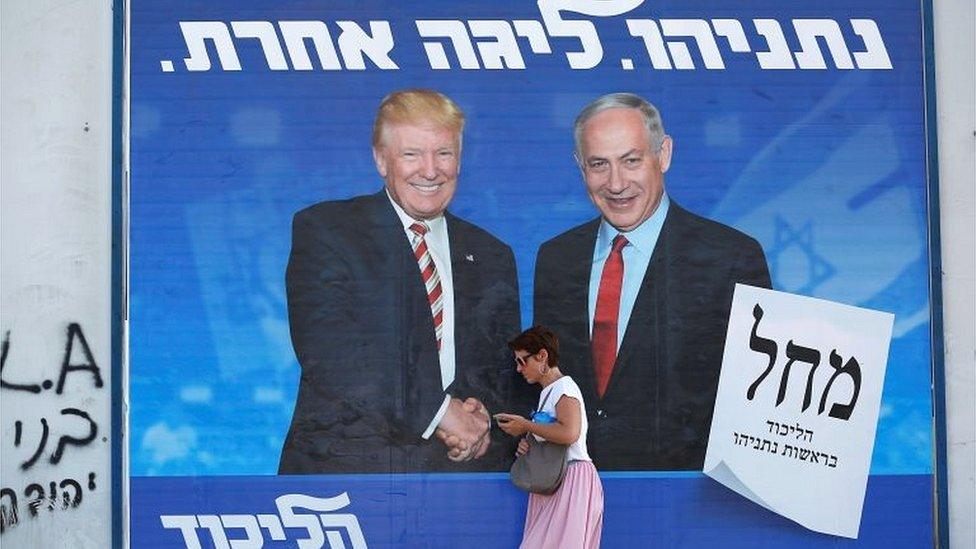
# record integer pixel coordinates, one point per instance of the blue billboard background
(484, 510)
(826, 168)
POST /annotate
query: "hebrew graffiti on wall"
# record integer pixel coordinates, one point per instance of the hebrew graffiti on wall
(54, 437)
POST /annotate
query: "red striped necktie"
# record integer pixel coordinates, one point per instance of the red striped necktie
(428, 273)
(604, 345)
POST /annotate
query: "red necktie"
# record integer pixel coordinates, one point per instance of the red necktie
(432, 282)
(606, 314)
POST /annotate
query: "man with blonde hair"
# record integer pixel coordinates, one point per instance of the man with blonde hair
(399, 312)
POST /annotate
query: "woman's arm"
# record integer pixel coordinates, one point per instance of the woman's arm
(566, 429)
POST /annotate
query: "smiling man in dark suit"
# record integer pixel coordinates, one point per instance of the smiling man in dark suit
(399, 310)
(640, 296)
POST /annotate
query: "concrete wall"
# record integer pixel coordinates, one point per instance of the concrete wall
(955, 62)
(55, 285)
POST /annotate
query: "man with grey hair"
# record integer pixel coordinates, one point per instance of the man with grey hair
(640, 296)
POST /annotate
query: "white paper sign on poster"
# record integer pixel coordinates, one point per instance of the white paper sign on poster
(797, 406)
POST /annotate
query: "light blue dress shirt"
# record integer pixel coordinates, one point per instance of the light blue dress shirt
(637, 256)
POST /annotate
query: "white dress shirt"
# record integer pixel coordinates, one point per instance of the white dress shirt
(636, 255)
(439, 246)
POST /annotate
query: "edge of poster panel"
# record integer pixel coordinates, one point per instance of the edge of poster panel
(119, 306)
(935, 281)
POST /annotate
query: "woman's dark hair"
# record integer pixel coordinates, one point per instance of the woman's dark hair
(536, 339)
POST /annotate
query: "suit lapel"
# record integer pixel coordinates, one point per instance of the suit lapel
(385, 228)
(579, 262)
(647, 311)
(416, 323)
(463, 261)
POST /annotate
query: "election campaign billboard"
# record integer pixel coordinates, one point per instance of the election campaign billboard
(307, 364)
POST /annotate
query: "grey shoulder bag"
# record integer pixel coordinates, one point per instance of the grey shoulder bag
(540, 470)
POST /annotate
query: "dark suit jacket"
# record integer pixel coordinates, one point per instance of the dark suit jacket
(364, 337)
(657, 410)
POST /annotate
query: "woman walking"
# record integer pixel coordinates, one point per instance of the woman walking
(571, 517)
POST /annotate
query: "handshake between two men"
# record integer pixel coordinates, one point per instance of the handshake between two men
(464, 429)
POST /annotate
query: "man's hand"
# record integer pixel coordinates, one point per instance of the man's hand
(464, 429)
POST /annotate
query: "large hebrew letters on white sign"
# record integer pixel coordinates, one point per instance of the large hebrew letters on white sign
(797, 406)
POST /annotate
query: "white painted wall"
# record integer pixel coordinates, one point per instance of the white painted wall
(955, 64)
(55, 242)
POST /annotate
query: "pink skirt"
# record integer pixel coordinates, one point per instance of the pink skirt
(570, 518)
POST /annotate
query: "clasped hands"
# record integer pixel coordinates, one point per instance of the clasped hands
(464, 429)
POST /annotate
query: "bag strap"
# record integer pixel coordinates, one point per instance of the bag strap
(543, 404)
(539, 409)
